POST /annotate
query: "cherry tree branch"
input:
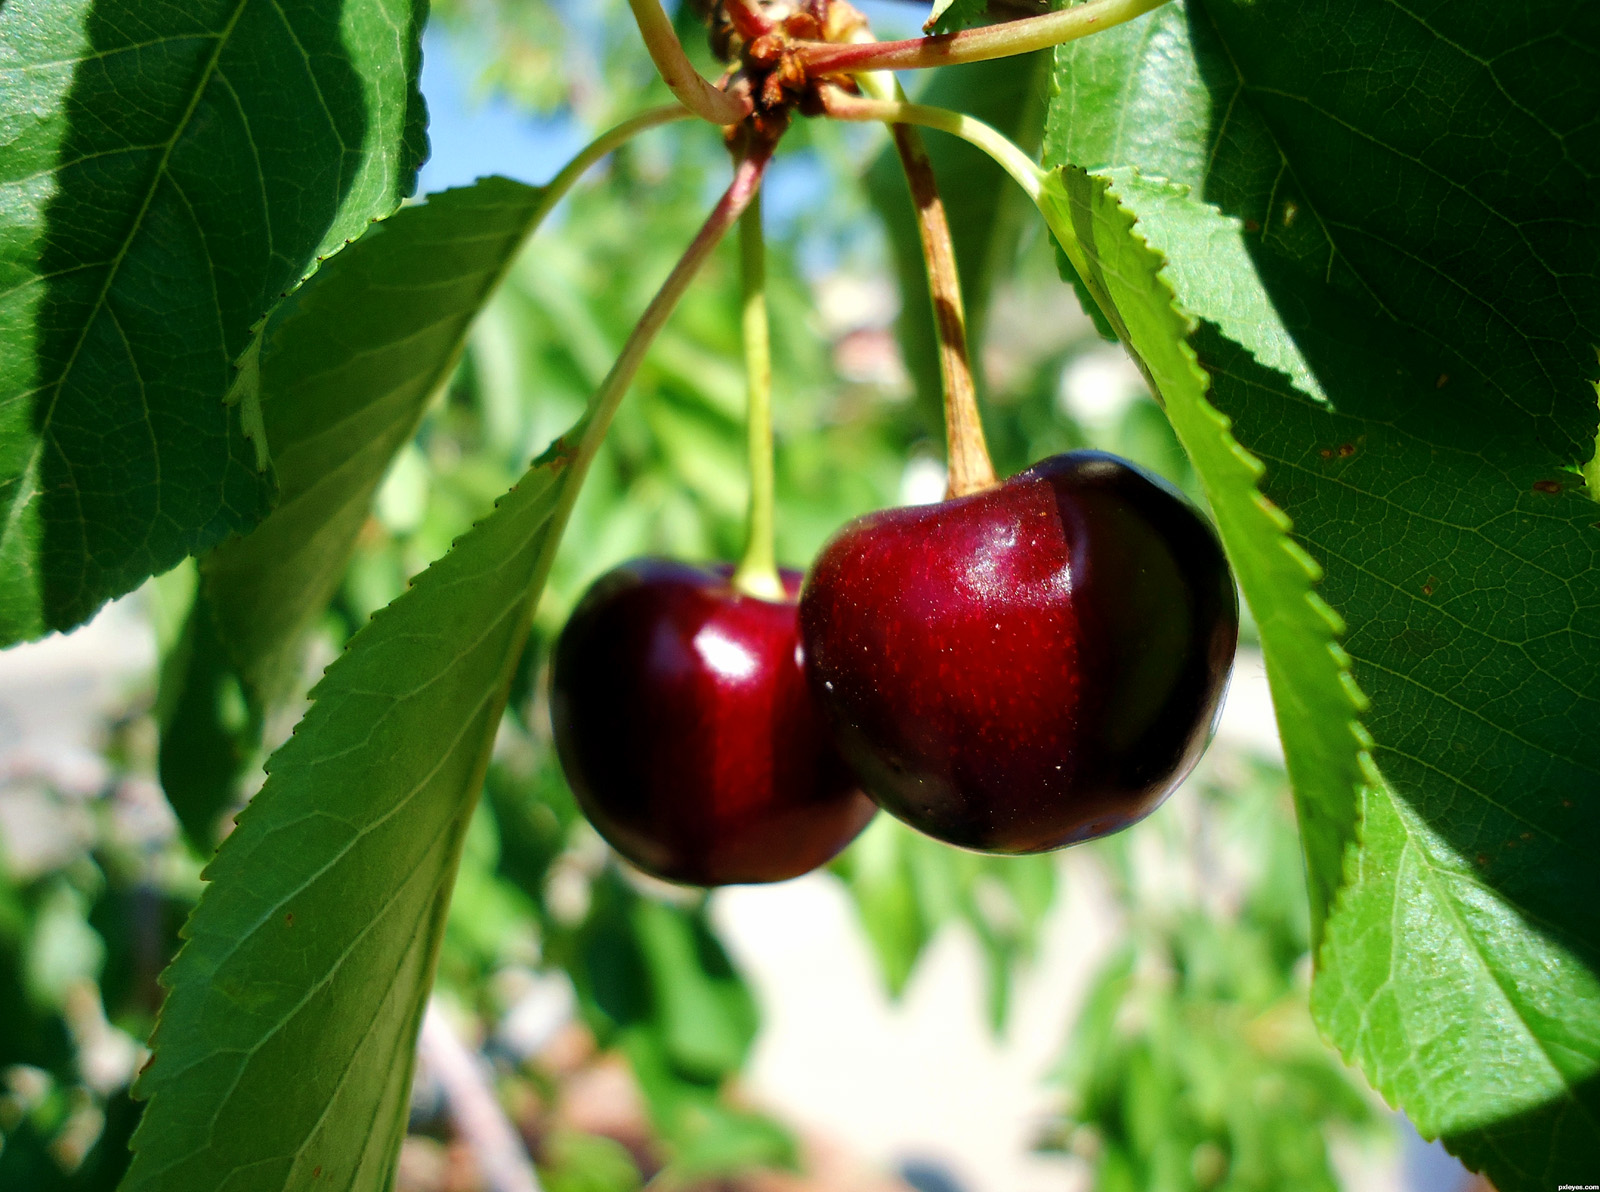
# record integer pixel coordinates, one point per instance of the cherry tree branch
(501, 1158)
(972, 45)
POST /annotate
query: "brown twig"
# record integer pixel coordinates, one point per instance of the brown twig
(482, 1125)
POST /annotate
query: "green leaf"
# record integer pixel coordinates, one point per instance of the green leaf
(347, 364)
(653, 980)
(950, 15)
(642, 967)
(984, 212)
(1424, 166)
(208, 730)
(1317, 702)
(1459, 967)
(1378, 169)
(167, 171)
(587, 1163)
(899, 924)
(906, 887)
(343, 370)
(295, 1003)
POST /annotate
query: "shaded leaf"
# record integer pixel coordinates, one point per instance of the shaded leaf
(167, 171)
(347, 364)
(1308, 671)
(1445, 306)
(208, 731)
(1434, 165)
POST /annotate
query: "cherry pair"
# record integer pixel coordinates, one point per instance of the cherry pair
(1011, 671)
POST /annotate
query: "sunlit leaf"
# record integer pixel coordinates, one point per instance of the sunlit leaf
(309, 958)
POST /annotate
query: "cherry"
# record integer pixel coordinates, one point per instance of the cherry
(1029, 666)
(687, 732)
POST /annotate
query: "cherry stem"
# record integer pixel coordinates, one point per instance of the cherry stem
(693, 90)
(970, 469)
(1026, 172)
(972, 45)
(757, 573)
(591, 429)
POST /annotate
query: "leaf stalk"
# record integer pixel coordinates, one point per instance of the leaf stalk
(693, 90)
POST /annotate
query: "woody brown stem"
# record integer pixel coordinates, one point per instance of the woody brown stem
(970, 468)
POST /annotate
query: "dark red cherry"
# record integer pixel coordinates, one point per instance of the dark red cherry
(686, 729)
(1026, 667)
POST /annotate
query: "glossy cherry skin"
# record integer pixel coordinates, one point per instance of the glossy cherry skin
(1030, 666)
(688, 734)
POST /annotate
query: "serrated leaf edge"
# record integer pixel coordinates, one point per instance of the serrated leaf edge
(1276, 518)
(1373, 784)
(172, 974)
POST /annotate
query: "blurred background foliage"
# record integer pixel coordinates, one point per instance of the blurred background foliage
(605, 1010)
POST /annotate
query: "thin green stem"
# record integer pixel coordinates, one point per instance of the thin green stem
(556, 189)
(591, 429)
(679, 74)
(757, 573)
(973, 45)
(1028, 173)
